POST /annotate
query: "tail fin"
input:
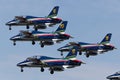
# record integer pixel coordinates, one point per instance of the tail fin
(73, 53)
(54, 12)
(106, 39)
(62, 27)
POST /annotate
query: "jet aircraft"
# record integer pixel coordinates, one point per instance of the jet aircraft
(37, 22)
(90, 48)
(45, 38)
(115, 76)
(54, 64)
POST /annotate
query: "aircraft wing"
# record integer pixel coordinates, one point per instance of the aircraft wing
(57, 68)
(90, 50)
(57, 40)
(47, 64)
(51, 42)
(41, 26)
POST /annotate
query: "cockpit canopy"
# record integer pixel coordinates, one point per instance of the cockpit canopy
(32, 58)
(118, 72)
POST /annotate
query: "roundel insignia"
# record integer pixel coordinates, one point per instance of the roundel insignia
(54, 11)
(107, 37)
(62, 26)
(73, 51)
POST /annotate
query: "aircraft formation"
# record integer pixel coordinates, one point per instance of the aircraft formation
(50, 38)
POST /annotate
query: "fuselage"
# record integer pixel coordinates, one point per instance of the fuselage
(41, 36)
(93, 49)
(28, 20)
(44, 61)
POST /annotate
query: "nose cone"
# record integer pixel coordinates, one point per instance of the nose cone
(108, 77)
(12, 38)
(65, 48)
(61, 48)
(10, 23)
(22, 64)
(111, 77)
(17, 37)
(114, 76)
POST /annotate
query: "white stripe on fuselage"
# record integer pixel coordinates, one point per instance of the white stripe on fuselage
(33, 19)
(54, 60)
(43, 34)
(91, 45)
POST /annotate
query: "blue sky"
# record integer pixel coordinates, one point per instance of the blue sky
(88, 21)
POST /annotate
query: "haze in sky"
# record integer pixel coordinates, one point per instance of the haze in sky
(88, 21)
